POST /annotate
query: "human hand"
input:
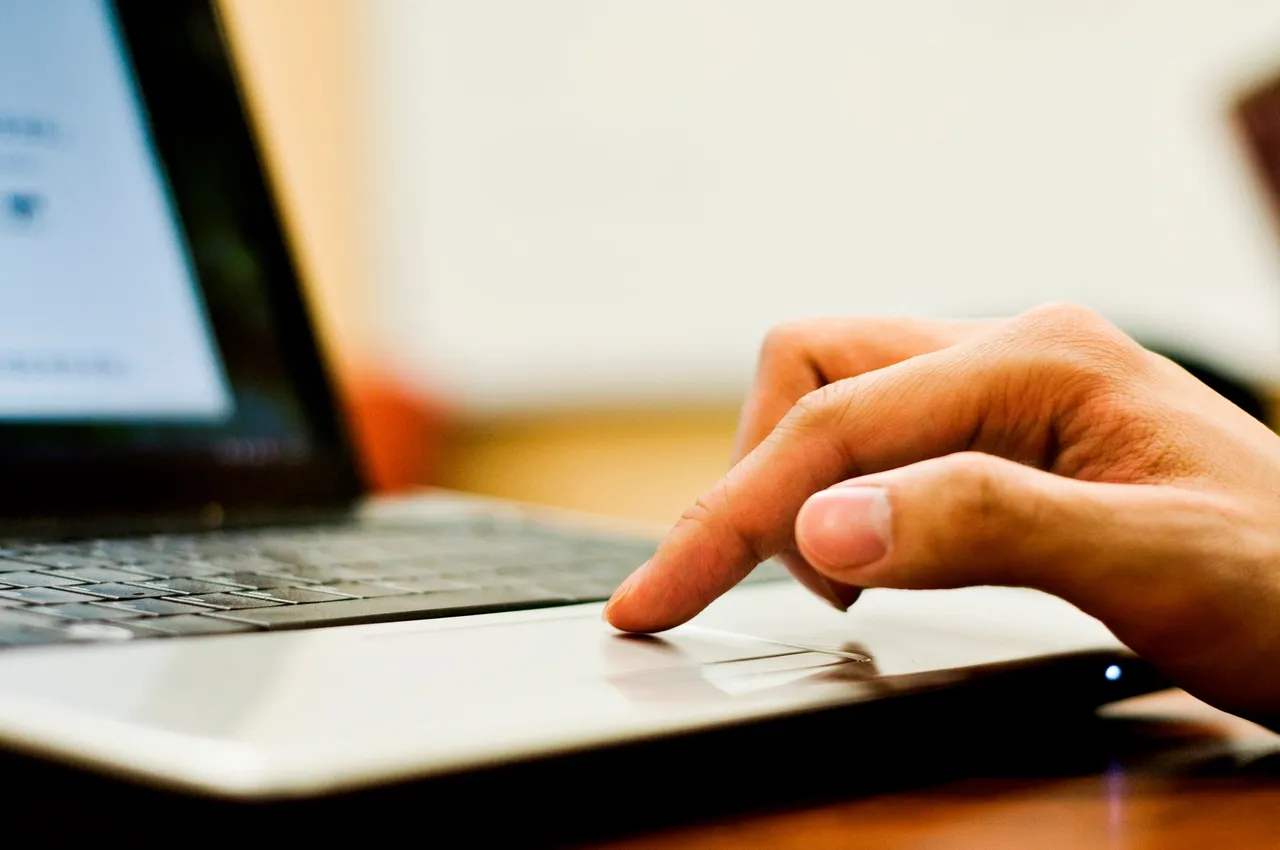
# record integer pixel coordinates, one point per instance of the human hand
(1047, 451)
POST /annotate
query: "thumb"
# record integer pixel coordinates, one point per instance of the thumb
(974, 519)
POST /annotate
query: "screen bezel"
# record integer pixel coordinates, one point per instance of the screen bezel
(176, 60)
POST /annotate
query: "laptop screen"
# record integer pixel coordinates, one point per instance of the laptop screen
(150, 324)
(111, 324)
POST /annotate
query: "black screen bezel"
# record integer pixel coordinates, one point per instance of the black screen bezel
(182, 61)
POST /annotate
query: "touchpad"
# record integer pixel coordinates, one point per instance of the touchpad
(692, 664)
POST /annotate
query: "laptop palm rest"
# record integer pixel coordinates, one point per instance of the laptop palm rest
(302, 712)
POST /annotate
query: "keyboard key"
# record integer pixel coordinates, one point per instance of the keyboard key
(154, 607)
(248, 564)
(112, 590)
(47, 595)
(98, 631)
(229, 601)
(327, 556)
(429, 584)
(94, 575)
(21, 579)
(259, 581)
(178, 586)
(112, 557)
(10, 566)
(176, 569)
(318, 575)
(30, 636)
(586, 589)
(382, 609)
(139, 628)
(292, 579)
(361, 589)
(207, 547)
(396, 569)
(60, 559)
(32, 616)
(295, 594)
(87, 611)
(190, 624)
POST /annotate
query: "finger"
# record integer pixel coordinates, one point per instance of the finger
(1176, 574)
(1013, 392)
(974, 519)
(838, 594)
(1164, 568)
(800, 357)
(877, 421)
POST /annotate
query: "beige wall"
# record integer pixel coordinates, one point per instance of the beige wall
(305, 75)
(303, 72)
(615, 199)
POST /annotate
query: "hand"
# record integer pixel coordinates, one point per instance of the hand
(1047, 451)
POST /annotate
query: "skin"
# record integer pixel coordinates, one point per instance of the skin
(1048, 451)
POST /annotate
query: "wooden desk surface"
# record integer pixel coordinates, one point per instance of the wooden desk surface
(1173, 773)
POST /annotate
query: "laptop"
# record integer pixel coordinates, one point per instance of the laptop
(195, 590)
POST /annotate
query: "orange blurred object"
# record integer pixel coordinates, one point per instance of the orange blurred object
(398, 433)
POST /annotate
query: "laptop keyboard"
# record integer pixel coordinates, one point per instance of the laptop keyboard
(292, 578)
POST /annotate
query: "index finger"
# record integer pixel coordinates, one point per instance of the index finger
(924, 407)
(800, 357)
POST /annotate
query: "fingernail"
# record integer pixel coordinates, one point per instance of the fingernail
(846, 527)
(842, 596)
(623, 590)
(826, 589)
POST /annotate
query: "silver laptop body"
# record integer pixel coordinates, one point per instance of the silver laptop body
(195, 591)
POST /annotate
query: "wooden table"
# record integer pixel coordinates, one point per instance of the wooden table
(1163, 771)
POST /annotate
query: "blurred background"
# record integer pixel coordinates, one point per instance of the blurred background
(545, 239)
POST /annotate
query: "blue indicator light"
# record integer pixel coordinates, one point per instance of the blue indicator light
(1112, 673)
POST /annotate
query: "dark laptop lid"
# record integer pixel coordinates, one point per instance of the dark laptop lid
(156, 359)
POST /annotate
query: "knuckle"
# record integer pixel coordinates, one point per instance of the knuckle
(785, 341)
(1073, 346)
(707, 516)
(821, 416)
(820, 409)
(1065, 315)
(980, 510)
(700, 515)
(974, 477)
